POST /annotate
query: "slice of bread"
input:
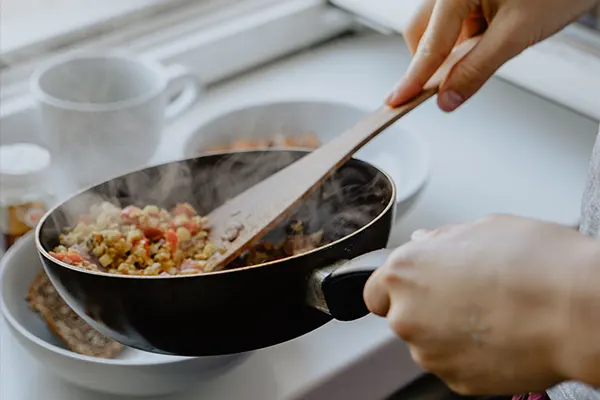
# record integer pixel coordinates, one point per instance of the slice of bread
(73, 331)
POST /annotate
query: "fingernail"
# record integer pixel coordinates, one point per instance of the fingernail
(397, 96)
(390, 98)
(450, 100)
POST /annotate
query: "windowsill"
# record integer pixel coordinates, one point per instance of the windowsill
(24, 26)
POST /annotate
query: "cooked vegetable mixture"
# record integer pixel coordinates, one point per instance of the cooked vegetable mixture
(308, 140)
(135, 241)
(297, 241)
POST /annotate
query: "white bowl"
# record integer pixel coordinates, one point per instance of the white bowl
(403, 155)
(133, 373)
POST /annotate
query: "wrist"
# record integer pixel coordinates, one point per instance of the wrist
(578, 340)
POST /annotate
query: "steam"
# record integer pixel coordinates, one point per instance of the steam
(343, 204)
(105, 143)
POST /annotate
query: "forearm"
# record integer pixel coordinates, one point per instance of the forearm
(579, 342)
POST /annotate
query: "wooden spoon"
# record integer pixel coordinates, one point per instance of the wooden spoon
(240, 221)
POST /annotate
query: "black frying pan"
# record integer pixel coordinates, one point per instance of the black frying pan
(239, 309)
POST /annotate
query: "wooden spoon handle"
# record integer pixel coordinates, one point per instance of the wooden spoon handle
(341, 148)
(261, 207)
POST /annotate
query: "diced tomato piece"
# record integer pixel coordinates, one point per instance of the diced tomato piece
(75, 257)
(172, 239)
(67, 257)
(130, 214)
(191, 226)
(184, 209)
(152, 233)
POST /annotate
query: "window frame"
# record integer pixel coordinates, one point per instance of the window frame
(213, 44)
(211, 37)
(211, 40)
(40, 35)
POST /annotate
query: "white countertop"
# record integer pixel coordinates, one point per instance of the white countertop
(506, 151)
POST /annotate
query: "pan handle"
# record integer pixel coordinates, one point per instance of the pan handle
(337, 290)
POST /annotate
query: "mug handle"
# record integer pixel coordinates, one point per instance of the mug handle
(186, 86)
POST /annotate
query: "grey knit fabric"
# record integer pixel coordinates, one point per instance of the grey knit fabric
(590, 225)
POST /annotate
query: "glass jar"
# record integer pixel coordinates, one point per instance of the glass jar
(24, 194)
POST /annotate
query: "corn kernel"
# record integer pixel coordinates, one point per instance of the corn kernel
(105, 260)
(139, 251)
(155, 269)
(151, 210)
(188, 271)
(183, 234)
(209, 249)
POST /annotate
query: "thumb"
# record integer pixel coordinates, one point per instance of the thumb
(503, 40)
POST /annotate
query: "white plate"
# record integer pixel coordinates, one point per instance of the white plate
(403, 155)
(132, 373)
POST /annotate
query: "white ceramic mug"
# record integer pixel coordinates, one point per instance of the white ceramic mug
(103, 113)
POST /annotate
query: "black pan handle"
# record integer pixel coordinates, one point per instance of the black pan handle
(337, 290)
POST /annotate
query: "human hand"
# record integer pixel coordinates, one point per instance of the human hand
(507, 26)
(495, 306)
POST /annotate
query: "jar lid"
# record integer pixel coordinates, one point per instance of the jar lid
(23, 165)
